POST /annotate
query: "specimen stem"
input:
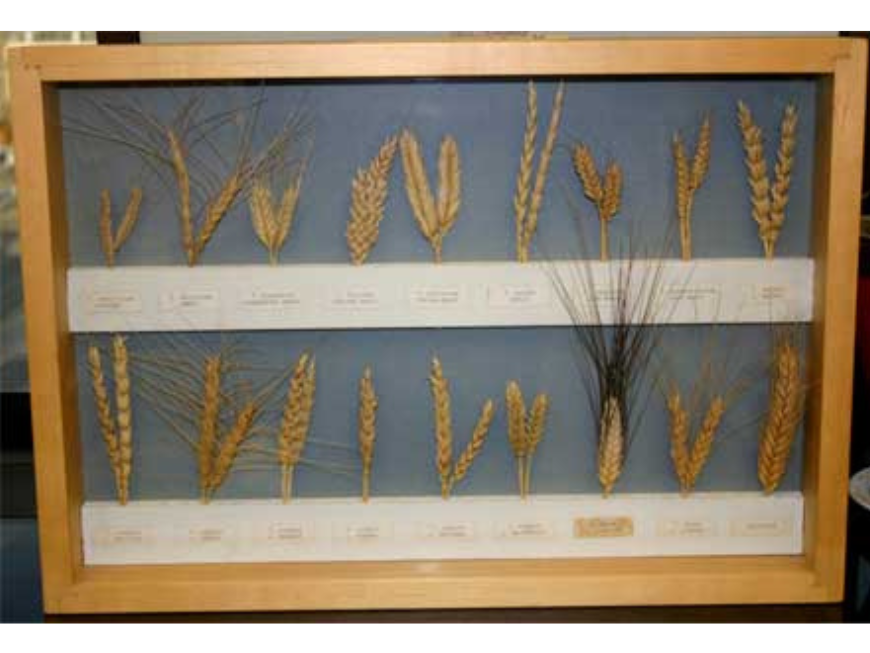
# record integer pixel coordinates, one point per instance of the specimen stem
(287, 483)
(521, 476)
(605, 241)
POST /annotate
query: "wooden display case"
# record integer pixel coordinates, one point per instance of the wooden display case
(71, 586)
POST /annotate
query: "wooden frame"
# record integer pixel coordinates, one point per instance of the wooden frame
(69, 586)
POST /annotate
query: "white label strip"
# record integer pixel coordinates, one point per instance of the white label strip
(423, 295)
(556, 526)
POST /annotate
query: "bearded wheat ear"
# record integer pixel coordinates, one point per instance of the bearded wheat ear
(368, 198)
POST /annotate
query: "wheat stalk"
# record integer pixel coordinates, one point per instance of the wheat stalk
(208, 424)
(784, 414)
(443, 426)
(611, 446)
(768, 203)
(124, 417)
(296, 421)
(475, 444)
(104, 412)
(366, 419)
(434, 219)
(527, 213)
(368, 198)
(703, 444)
(606, 194)
(182, 180)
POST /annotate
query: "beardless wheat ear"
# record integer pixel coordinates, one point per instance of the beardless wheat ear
(368, 407)
(124, 416)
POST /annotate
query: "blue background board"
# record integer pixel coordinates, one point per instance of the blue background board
(631, 121)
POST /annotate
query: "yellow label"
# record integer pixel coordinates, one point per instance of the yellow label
(589, 527)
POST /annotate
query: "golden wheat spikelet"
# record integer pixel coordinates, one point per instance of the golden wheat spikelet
(131, 217)
(612, 192)
(104, 411)
(417, 185)
(701, 160)
(216, 211)
(296, 421)
(703, 445)
(530, 224)
(611, 446)
(105, 225)
(475, 444)
(366, 420)
(535, 427)
(587, 172)
(784, 414)
(683, 193)
(524, 174)
(449, 185)
(182, 180)
(208, 423)
(783, 167)
(516, 413)
(368, 198)
(443, 426)
(260, 207)
(229, 448)
(679, 437)
(124, 417)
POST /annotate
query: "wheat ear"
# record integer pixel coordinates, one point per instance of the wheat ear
(535, 427)
(611, 446)
(229, 448)
(516, 422)
(106, 241)
(182, 180)
(296, 421)
(216, 211)
(679, 437)
(272, 224)
(417, 186)
(759, 183)
(131, 217)
(784, 414)
(527, 212)
(689, 180)
(606, 194)
(475, 444)
(525, 172)
(368, 198)
(783, 167)
(703, 445)
(366, 419)
(124, 417)
(443, 426)
(104, 412)
(434, 219)
(208, 424)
